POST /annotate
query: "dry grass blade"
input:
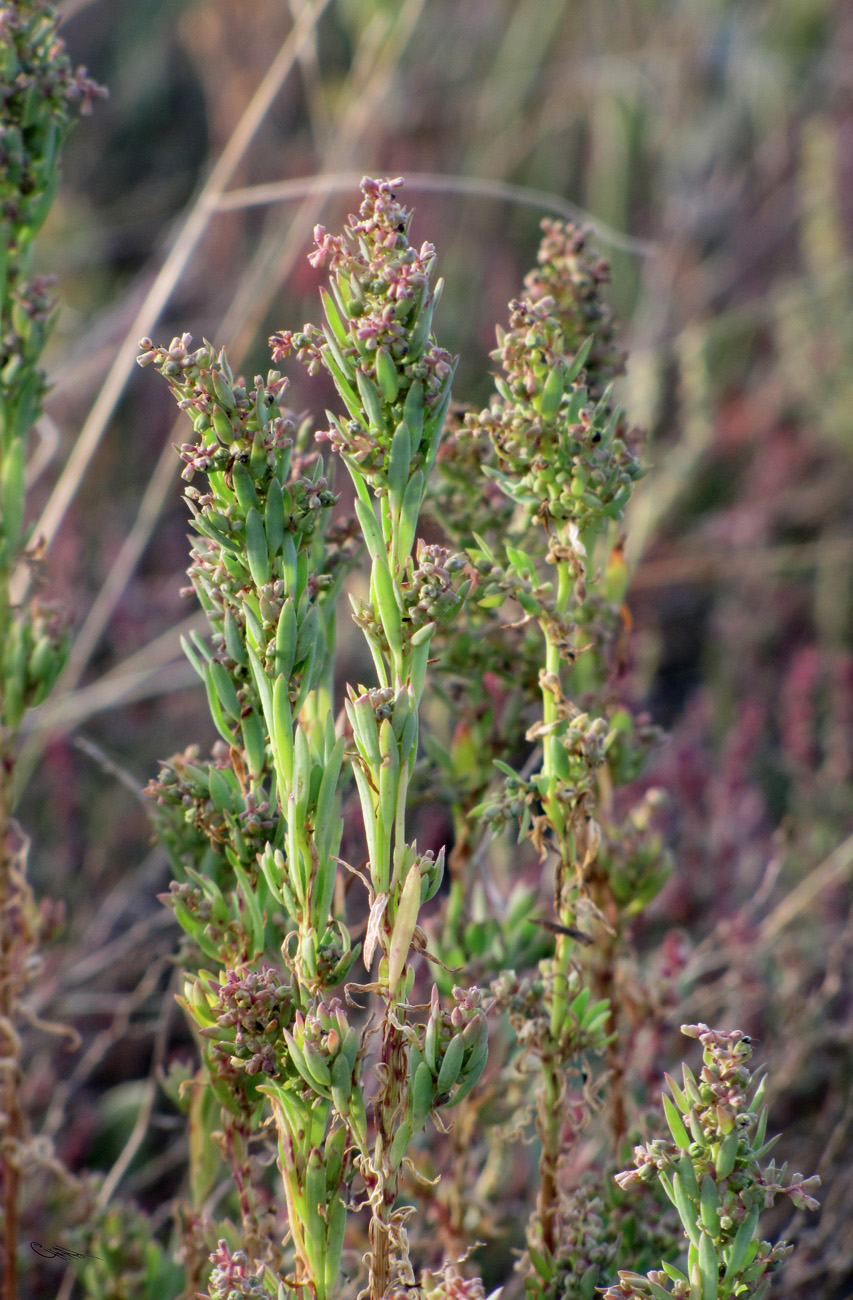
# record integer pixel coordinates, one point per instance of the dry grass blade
(438, 183)
(831, 870)
(369, 84)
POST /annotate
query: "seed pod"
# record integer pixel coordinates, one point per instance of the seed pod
(308, 631)
(254, 742)
(451, 1065)
(471, 1076)
(422, 1094)
(676, 1124)
(336, 1223)
(244, 488)
(389, 774)
(274, 517)
(286, 636)
(727, 1154)
(350, 1046)
(316, 1064)
(413, 413)
(404, 926)
(298, 1058)
(430, 1043)
(223, 391)
(401, 1140)
(474, 1034)
(370, 529)
(709, 1270)
(399, 464)
(709, 1202)
(372, 401)
(256, 548)
(387, 602)
(308, 952)
(386, 375)
(686, 1210)
(552, 392)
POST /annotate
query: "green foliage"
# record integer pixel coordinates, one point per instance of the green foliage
(268, 570)
(716, 1175)
(697, 127)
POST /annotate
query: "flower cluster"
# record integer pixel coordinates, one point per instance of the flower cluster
(251, 1011)
(714, 1173)
(428, 594)
(572, 276)
(233, 1278)
(233, 422)
(447, 1283)
(39, 86)
(377, 345)
(31, 658)
(558, 451)
(456, 1043)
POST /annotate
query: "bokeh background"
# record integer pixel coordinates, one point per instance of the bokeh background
(709, 144)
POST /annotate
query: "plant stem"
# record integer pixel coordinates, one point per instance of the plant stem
(383, 1238)
(12, 1119)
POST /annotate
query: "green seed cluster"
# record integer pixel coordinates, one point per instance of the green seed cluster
(37, 91)
(234, 1278)
(715, 1173)
(377, 343)
(559, 453)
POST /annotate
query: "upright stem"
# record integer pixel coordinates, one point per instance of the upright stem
(12, 1118)
(550, 1095)
(551, 1120)
(387, 1115)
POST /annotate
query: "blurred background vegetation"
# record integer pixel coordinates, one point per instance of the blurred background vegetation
(710, 143)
